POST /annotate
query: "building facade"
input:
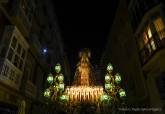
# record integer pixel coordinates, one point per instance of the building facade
(136, 47)
(149, 31)
(27, 27)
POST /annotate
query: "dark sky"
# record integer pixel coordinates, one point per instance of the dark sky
(85, 25)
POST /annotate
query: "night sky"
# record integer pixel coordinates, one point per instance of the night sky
(85, 25)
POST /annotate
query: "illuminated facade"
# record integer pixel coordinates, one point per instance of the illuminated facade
(149, 33)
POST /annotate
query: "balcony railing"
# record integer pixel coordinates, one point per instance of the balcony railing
(10, 75)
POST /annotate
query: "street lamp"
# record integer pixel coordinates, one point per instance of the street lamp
(55, 91)
(112, 86)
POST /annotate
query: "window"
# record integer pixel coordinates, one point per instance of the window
(14, 42)
(145, 38)
(28, 8)
(23, 54)
(159, 25)
(146, 44)
(10, 54)
(16, 60)
(149, 48)
(149, 33)
(16, 54)
(19, 49)
(153, 45)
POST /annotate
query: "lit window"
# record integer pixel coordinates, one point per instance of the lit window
(149, 48)
(145, 38)
(159, 25)
(149, 32)
(153, 45)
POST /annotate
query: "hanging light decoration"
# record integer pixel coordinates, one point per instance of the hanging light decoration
(58, 68)
(109, 67)
(117, 78)
(107, 78)
(122, 93)
(61, 86)
(50, 78)
(104, 98)
(61, 78)
(109, 86)
(47, 93)
(57, 83)
(57, 87)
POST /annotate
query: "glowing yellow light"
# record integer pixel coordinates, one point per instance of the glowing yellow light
(160, 28)
(84, 93)
(61, 78)
(107, 78)
(149, 33)
(47, 93)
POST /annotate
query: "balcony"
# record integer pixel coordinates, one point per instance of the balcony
(10, 75)
(30, 89)
(10, 71)
(147, 53)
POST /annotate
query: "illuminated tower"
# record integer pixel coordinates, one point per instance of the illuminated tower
(84, 75)
(84, 87)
